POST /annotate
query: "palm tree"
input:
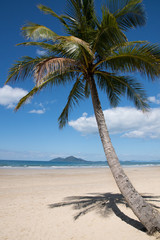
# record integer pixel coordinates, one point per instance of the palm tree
(95, 53)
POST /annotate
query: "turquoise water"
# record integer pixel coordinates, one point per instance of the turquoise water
(90, 164)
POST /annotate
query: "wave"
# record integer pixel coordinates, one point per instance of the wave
(58, 165)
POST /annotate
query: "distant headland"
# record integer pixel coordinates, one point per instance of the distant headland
(70, 159)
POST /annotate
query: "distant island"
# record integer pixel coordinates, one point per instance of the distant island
(71, 159)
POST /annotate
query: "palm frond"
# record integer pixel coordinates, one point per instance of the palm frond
(117, 86)
(108, 33)
(39, 44)
(81, 11)
(68, 47)
(76, 94)
(71, 25)
(126, 44)
(48, 10)
(111, 87)
(88, 10)
(53, 79)
(74, 9)
(51, 49)
(53, 65)
(135, 92)
(56, 79)
(132, 15)
(81, 18)
(38, 32)
(77, 45)
(142, 58)
(73, 19)
(109, 51)
(129, 13)
(26, 98)
(23, 68)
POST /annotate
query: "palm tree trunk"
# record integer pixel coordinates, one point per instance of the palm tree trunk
(147, 215)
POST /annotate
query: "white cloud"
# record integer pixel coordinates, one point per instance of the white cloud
(41, 52)
(9, 96)
(40, 111)
(129, 122)
(154, 99)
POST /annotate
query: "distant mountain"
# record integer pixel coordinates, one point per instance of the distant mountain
(70, 159)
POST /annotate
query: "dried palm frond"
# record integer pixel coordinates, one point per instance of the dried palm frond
(49, 66)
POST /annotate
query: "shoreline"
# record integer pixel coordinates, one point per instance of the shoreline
(70, 204)
(73, 164)
(78, 167)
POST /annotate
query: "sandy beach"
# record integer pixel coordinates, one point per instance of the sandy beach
(72, 204)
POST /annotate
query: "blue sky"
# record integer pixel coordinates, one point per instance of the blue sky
(32, 133)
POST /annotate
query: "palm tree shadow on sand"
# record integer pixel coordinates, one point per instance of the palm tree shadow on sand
(104, 204)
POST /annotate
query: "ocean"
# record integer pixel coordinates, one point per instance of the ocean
(56, 165)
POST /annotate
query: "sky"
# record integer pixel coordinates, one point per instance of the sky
(32, 133)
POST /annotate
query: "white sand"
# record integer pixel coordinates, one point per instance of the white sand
(27, 197)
